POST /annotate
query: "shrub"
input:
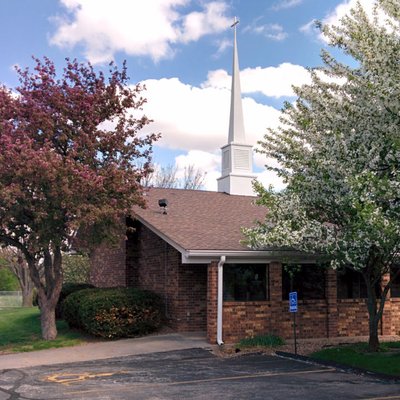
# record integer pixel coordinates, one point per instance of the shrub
(66, 290)
(114, 313)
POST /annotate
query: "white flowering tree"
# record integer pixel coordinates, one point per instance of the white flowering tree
(338, 148)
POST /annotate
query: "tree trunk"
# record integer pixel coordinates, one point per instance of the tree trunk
(48, 321)
(27, 298)
(373, 342)
(48, 288)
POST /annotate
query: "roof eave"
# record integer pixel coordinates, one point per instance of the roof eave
(245, 256)
(192, 256)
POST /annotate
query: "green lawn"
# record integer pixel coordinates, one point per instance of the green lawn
(20, 331)
(386, 361)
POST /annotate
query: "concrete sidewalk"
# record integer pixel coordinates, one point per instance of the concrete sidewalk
(104, 350)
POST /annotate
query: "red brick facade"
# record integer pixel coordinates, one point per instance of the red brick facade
(189, 292)
(108, 265)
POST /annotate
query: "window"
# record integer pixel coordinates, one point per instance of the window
(243, 282)
(308, 281)
(351, 285)
(395, 289)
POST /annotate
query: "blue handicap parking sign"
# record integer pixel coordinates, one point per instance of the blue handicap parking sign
(293, 301)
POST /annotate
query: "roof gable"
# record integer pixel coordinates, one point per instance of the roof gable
(200, 220)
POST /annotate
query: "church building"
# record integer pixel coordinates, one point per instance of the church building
(187, 246)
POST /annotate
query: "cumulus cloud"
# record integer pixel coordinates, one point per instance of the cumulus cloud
(191, 117)
(270, 81)
(143, 28)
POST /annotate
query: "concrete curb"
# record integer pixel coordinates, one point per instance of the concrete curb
(341, 367)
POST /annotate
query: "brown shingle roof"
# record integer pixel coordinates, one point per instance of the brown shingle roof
(200, 220)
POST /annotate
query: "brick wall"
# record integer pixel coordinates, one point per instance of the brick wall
(395, 306)
(330, 317)
(155, 265)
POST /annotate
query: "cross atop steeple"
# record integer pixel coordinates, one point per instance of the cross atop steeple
(235, 22)
(237, 169)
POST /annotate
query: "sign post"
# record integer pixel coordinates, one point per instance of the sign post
(293, 310)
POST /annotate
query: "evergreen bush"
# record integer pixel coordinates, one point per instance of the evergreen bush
(66, 290)
(113, 312)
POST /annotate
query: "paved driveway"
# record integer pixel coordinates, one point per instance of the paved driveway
(190, 374)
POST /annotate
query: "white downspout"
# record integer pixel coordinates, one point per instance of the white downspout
(220, 299)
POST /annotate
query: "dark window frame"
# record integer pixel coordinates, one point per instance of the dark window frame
(305, 289)
(236, 290)
(351, 285)
(395, 288)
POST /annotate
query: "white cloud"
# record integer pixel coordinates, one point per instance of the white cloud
(309, 27)
(191, 117)
(271, 178)
(222, 45)
(144, 28)
(206, 162)
(212, 19)
(334, 18)
(270, 31)
(270, 81)
(343, 8)
(284, 4)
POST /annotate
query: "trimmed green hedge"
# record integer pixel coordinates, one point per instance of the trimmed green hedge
(66, 290)
(113, 313)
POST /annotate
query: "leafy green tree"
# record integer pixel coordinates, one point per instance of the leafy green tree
(8, 281)
(69, 155)
(338, 148)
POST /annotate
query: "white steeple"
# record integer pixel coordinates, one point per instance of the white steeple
(237, 161)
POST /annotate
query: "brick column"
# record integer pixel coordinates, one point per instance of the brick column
(387, 327)
(212, 301)
(331, 300)
(275, 281)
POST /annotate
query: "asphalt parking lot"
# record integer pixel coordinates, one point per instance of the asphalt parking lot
(191, 374)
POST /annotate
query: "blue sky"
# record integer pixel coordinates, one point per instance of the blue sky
(182, 51)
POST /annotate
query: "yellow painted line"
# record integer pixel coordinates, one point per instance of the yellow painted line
(225, 378)
(66, 379)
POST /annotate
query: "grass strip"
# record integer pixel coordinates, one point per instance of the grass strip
(386, 361)
(20, 332)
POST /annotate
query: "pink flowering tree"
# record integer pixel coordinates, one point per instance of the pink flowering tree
(71, 159)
